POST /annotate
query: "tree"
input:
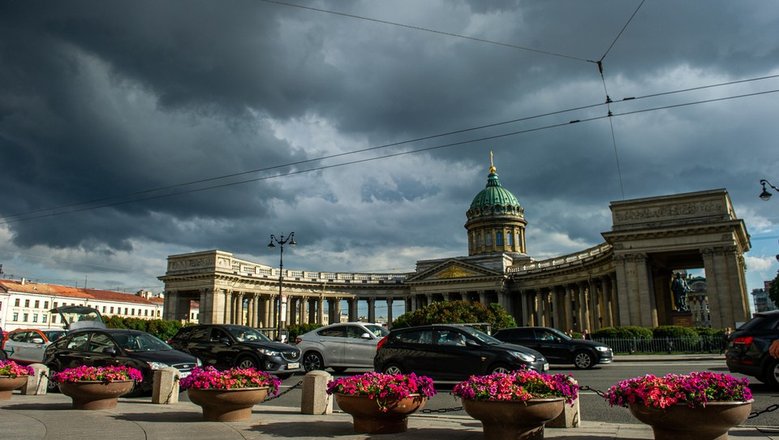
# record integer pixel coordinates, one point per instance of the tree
(773, 292)
(457, 312)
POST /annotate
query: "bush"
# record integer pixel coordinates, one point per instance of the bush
(626, 332)
(160, 328)
(457, 312)
(298, 329)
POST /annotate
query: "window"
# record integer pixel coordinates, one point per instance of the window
(416, 337)
(44, 317)
(104, 307)
(27, 303)
(16, 302)
(34, 317)
(53, 319)
(488, 239)
(26, 317)
(510, 236)
(146, 312)
(37, 304)
(54, 305)
(112, 309)
(45, 304)
(499, 238)
(78, 342)
(125, 311)
(336, 332)
(16, 316)
(101, 343)
(1, 305)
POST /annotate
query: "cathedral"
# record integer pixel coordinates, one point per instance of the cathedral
(625, 280)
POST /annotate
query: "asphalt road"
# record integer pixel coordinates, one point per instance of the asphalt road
(599, 379)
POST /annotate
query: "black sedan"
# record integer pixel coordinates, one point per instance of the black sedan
(451, 352)
(106, 347)
(747, 351)
(558, 347)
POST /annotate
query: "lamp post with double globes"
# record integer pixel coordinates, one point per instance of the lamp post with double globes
(281, 241)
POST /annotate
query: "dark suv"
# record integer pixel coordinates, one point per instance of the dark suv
(748, 348)
(226, 346)
(558, 347)
(451, 352)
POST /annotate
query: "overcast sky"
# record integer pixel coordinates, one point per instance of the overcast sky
(130, 131)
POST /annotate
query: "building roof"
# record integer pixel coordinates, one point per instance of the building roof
(24, 286)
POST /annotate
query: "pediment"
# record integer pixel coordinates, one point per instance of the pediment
(453, 270)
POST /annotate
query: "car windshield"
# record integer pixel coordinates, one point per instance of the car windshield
(140, 342)
(247, 334)
(480, 335)
(377, 330)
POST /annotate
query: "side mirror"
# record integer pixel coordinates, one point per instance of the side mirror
(37, 341)
(366, 335)
(110, 350)
(471, 343)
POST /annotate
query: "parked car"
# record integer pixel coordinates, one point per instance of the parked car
(226, 346)
(340, 346)
(26, 346)
(747, 351)
(557, 347)
(451, 352)
(107, 347)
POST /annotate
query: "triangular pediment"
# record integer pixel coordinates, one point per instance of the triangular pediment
(453, 270)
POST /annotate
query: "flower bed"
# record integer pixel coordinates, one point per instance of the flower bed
(694, 390)
(210, 378)
(12, 369)
(97, 374)
(521, 385)
(383, 388)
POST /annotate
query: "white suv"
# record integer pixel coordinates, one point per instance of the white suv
(340, 346)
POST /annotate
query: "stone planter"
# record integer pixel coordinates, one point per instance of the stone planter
(680, 422)
(227, 405)
(95, 395)
(368, 418)
(514, 420)
(9, 384)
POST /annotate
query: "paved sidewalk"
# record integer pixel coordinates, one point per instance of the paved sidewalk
(51, 417)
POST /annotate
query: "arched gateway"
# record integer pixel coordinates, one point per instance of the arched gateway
(624, 281)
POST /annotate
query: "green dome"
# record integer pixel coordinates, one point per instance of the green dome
(494, 196)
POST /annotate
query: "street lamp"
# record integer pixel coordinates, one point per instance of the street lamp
(765, 195)
(281, 241)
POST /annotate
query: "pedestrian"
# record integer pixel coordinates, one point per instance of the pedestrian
(773, 350)
(725, 339)
(586, 334)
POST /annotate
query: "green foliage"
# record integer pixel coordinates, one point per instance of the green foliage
(457, 312)
(298, 329)
(626, 332)
(676, 331)
(773, 291)
(158, 327)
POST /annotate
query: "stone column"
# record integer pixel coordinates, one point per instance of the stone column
(238, 310)
(352, 304)
(608, 316)
(483, 298)
(371, 309)
(389, 312)
(251, 311)
(523, 299)
(320, 317)
(724, 286)
(615, 317)
(228, 301)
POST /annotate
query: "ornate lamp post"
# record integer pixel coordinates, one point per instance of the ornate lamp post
(765, 195)
(281, 241)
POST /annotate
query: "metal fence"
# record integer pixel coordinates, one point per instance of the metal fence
(700, 344)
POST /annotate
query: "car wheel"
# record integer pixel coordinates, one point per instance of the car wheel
(500, 368)
(313, 361)
(583, 360)
(339, 369)
(247, 362)
(771, 375)
(393, 369)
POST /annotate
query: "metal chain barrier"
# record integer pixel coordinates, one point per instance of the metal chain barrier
(587, 388)
(770, 408)
(441, 410)
(284, 392)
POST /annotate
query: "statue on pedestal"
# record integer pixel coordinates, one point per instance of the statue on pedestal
(680, 289)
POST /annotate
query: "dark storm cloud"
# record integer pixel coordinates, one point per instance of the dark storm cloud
(104, 99)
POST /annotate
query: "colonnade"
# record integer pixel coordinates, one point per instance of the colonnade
(582, 305)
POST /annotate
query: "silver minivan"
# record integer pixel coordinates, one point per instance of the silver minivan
(340, 346)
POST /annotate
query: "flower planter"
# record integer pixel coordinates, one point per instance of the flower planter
(680, 422)
(227, 405)
(369, 418)
(9, 384)
(514, 419)
(91, 395)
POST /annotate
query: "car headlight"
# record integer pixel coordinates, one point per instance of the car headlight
(198, 362)
(523, 356)
(269, 352)
(602, 348)
(157, 365)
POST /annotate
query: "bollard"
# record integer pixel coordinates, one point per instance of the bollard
(315, 399)
(569, 418)
(38, 382)
(166, 386)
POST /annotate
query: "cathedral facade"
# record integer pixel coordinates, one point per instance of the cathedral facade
(626, 280)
